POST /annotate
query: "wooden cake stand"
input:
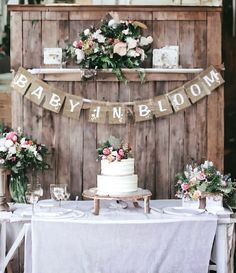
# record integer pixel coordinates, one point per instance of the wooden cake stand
(97, 195)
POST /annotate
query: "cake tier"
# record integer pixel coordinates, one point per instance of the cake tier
(117, 184)
(123, 167)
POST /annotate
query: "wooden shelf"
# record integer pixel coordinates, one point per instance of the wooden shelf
(152, 74)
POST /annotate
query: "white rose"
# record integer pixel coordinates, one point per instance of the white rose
(125, 31)
(86, 32)
(112, 23)
(2, 161)
(12, 150)
(98, 36)
(149, 39)
(9, 143)
(132, 53)
(120, 49)
(132, 43)
(80, 55)
(145, 41)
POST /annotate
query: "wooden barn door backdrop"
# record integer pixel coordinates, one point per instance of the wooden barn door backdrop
(162, 146)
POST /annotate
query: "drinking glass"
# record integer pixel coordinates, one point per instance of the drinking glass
(32, 194)
(59, 192)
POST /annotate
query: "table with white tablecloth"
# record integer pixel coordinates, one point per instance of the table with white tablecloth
(120, 240)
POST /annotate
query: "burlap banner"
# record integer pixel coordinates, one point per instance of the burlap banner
(70, 106)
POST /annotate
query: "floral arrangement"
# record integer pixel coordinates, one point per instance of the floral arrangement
(115, 44)
(113, 150)
(198, 180)
(19, 153)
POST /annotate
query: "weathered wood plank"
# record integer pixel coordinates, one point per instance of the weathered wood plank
(31, 15)
(215, 112)
(31, 47)
(16, 62)
(186, 43)
(53, 15)
(179, 16)
(109, 77)
(98, 15)
(162, 148)
(76, 146)
(90, 166)
(176, 145)
(5, 108)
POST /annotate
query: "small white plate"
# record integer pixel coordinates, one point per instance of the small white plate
(182, 211)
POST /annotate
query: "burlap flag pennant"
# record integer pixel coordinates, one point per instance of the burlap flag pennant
(117, 113)
(196, 89)
(142, 110)
(211, 78)
(72, 106)
(37, 91)
(97, 113)
(179, 99)
(21, 81)
(161, 106)
(54, 99)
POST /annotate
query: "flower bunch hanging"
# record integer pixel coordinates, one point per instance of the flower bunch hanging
(198, 180)
(114, 149)
(116, 44)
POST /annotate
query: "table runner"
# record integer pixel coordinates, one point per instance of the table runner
(122, 241)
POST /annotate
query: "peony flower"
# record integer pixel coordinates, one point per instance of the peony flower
(185, 186)
(106, 151)
(197, 194)
(131, 42)
(86, 32)
(120, 152)
(79, 55)
(145, 41)
(120, 49)
(12, 136)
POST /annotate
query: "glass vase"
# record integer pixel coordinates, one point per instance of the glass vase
(17, 187)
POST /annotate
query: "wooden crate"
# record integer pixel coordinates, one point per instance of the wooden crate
(162, 146)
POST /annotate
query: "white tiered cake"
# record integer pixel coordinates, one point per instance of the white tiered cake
(117, 177)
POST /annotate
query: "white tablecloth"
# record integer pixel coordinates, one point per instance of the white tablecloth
(121, 241)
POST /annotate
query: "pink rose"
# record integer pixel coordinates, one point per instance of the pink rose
(120, 152)
(12, 136)
(77, 44)
(120, 49)
(185, 187)
(106, 151)
(201, 176)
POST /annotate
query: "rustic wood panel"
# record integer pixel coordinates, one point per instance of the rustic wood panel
(16, 61)
(215, 113)
(162, 142)
(5, 108)
(174, 16)
(161, 146)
